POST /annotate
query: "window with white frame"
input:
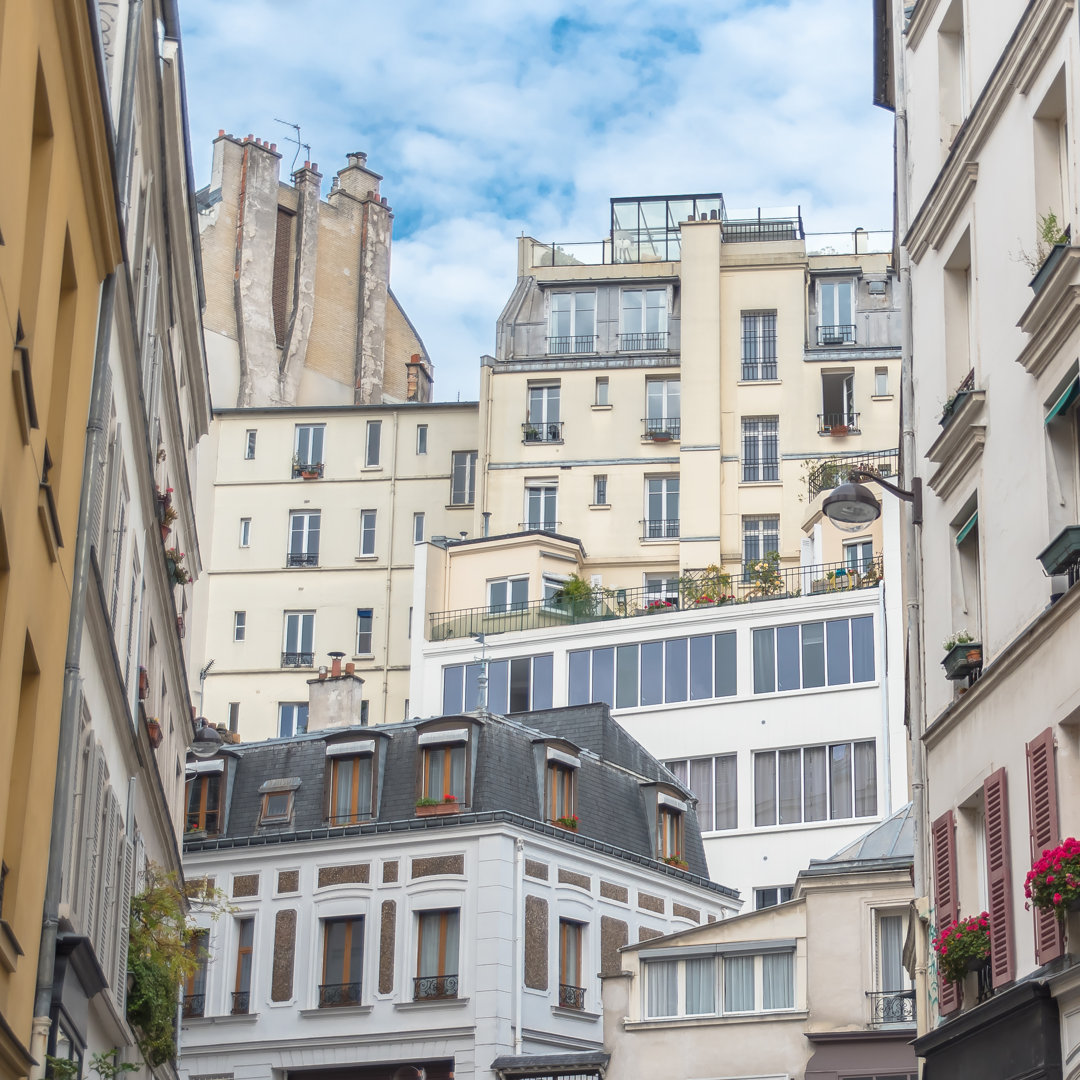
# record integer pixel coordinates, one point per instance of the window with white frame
(417, 528)
(373, 444)
(365, 617)
(437, 937)
(462, 477)
(807, 655)
(540, 506)
(743, 979)
(508, 594)
(881, 382)
(661, 507)
(893, 1001)
(573, 322)
(552, 587)
(515, 685)
(838, 415)
(714, 783)
(758, 345)
(249, 444)
(245, 532)
(421, 438)
(542, 418)
(772, 895)
(600, 490)
(967, 588)
(663, 408)
(760, 449)
(298, 648)
(239, 625)
(367, 532)
(292, 718)
(600, 395)
(836, 320)
(760, 536)
(859, 555)
(644, 319)
(304, 529)
(308, 447)
(815, 783)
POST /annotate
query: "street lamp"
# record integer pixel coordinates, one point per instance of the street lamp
(852, 506)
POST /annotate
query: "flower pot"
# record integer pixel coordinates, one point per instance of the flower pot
(165, 530)
(438, 809)
(977, 963)
(838, 429)
(958, 662)
(144, 684)
(974, 656)
(661, 436)
(153, 731)
(170, 568)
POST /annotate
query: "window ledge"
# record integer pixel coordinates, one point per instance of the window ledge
(733, 1018)
(759, 382)
(576, 1014)
(10, 949)
(761, 483)
(337, 1010)
(227, 1018)
(364, 656)
(366, 558)
(459, 506)
(371, 468)
(431, 1003)
(599, 506)
(881, 397)
(601, 408)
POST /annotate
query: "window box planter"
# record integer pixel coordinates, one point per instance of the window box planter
(1062, 553)
(437, 809)
(1047, 268)
(153, 731)
(676, 861)
(963, 660)
(144, 684)
(570, 823)
(838, 429)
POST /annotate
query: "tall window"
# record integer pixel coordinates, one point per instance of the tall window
(204, 803)
(967, 599)
(249, 444)
(241, 998)
(571, 992)
(838, 415)
(661, 507)
(418, 528)
(600, 396)
(760, 536)
(292, 718)
(421, 438)
(560, 791)
(573, 323)
(714, 782)
(436, 955)
(343, 962)
(815, 783)
(644, 319)
(540, 507)
(761, 454)
(600, 489)
(508, 594)
(239, 625)
(367, 532)
(373, 444)
(858, 555)
(304, 526)
(462, 477)
(759, 345)
(881, 382)
(669, 832)
(298, 649)
(308, 447)
(245, 532)
(807, 655)
(444, 772)
(835, 319)
(195, 983)
(365, 618)
(350, 789)
(542, 419)
(662, 408)
(893, 1002)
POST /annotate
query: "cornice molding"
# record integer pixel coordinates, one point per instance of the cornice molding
(1053, 315)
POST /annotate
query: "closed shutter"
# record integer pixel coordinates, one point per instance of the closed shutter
(92, 810)
(943, 845)
(996, 802)
(110, 880)
(124, 913)
(1043, 815)
(97, 481)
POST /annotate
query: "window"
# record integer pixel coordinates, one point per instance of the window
(249, 444)
(373, 443)
(662, 587)
(835, 318)
(893, 1001)
(956, 288)
(714, 783)
(292, 718)
(515, 685)
(239, 625)
(298, 649)
(770, 897)
(573, 323)
(462, 477)
(245, 532)
(644, 319)
(234, 716)
(966, 598)
(277, 807)
(600, 489)
(858, 555)
(662, 409)
(421, 438)
(561, 801)
(350, 789)
(838, 415)
(952, 89)
(806, 655)
(760, 536)
(759, 345)
(436, 955)
(195, 983)
(418, 528)
(308, 448)
(542, 423)
(669, 832)
(760, 447)
(815, 783)
(720, 983)
(367, 532)
(364, 619)
(661, 508)
(304, 528)
(444, 772)
(540, 507)
(241, 998)
(600, 396)
(508, 594)
(204, 803)
(571, 992)
(343, 962)
(881, 382)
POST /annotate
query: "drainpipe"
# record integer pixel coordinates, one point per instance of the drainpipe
(389, 564)
(886, 740)
(519, 938)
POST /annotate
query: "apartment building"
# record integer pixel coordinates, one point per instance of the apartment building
(987, 188)
(59, 240)
(309, 519)
(433, 898)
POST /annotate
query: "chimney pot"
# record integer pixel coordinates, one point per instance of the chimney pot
(273, 147)
(350, 668)
(314, 166)
(322, 673)
(220, 132)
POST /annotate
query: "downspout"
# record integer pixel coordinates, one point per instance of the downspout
(519, 939)
(389, 567)
(886, 741)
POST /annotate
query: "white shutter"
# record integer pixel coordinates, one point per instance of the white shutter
(109, 881)
(123, 924)
(92, 811)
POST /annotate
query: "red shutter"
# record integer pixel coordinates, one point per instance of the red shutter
(943, 843)
(996, 802)
(1043, 815)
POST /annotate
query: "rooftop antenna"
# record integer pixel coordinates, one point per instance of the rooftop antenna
(306, 146)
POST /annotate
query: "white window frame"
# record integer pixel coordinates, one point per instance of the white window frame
(515, 591)
(310, 533)
(249, 443)
(600, 492)
(881, 382)
(545, 493)
(719, 958)
(663, 406)
(760, 533)
(602, 391)
(859, 554)
(239, 626)
(650, 337)
(759, 432)
(245, 532)
(830, 308)
(468, 467)
(418, 528)
(364, 637)
(421, 438)
(295, 707)
(373, 444)
(299, 619)
(578, 333)
(306, 434)
(368, 519)
(662, 488)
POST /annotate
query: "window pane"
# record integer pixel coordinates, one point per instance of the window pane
(777, 981)
(519, 685)
(579, 678)
(700, 986)
(764, 662)
(374, 435)
(652, 675)
(453, 688)
(837, 641)
(862, 649)
(727, 804)
(472, 686)
(790, 766)
(675, 670)
(891, 932)
(813, 654)
(701, 777)
(603, 676)
(681, 771)
(815, 798)
(542, 680)
(701, 667)
(626, 677)
(738, 984)
(457, 771)
(335, 953)
(840, 780)
(498, 687)
(765, 789)
(787, 657)
(497, 596)
(662, 994)
(865, 779)
(725, 664)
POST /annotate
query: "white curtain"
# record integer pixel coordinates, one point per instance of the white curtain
(662, 987)
(778, 981)
(727, 813)
(892, 950)
(816, 800)
(790, 787)
(701, 786)
(457, 772)
(865, 779)
(738, 984)
(701, 986)
(840, 780)
(765, 788)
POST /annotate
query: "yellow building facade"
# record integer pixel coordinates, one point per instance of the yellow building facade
(59, 239)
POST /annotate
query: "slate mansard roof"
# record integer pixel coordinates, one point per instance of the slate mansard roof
(616, 785)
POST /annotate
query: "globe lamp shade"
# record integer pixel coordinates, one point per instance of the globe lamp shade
(851, 507)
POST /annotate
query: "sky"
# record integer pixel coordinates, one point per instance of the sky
(493, 118)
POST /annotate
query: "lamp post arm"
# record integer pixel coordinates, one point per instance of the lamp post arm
(914, 496)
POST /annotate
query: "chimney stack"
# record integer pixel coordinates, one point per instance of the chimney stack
(335, 697)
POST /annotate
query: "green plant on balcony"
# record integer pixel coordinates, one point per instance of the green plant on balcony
(764, 575)
(1053, 882)
(706, 587)
(963, 946)
(675, 859)
(569, 821)
(960, 637)
(1048, 234)
(577, 596)
(104, 1064)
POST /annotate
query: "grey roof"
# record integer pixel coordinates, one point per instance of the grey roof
(891, 841)
(543, 1064)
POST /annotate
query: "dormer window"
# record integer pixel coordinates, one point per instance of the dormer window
(277, 800)
(669, 828)
(444, 765)
(203, 797)
(352, 786)
(561, 788)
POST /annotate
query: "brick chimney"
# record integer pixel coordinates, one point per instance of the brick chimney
(334, 698)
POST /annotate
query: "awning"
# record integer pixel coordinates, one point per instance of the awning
(964, 529)
(1071, 394)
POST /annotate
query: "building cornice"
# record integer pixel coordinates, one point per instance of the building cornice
(1053, 315)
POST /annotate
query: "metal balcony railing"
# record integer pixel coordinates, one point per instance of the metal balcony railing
(571, 997)
(891, 1007)
(206, 822)
(300, 468)
(661, 428)
(241, 1001)
(297, 659)
(758, 581)
(194, 1005)
(839, 334)
(334, 995)
(834, 471)
(433, 987)
(576, 343)
(659, 529)
(548, 431)
(301, 558)
(542, 526)
(348, 819)
(845, 423)
(650, 341)
(757, 370)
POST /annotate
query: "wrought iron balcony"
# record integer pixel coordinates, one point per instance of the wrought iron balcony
(838, 424)
(661, 428)
(301, 558)
(194, 1005)
(892, 1008)
(833, 471)
(576, 343)
(758, 370)
(840, 334)
(542, 526)
(571, 997)
(434, 987)
(241, 1001)
(548, 431)
(659, 529)
(307, 469)
(334, 995)
(297, 659)
(650, 341)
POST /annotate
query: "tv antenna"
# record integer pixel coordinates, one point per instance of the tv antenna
(299, 145)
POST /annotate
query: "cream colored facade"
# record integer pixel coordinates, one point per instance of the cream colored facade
(362, 560)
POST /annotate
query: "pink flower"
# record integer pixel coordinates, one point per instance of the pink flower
(1049, 879)
(1057, 898)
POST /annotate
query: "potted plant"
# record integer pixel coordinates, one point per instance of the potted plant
(764, 575)
(531, 434)
(575, 595)
(963, 655)
(654, 607)
(428, 807)
(660, 436)
(838, 429)
(311, 471)
(675, 859)
(569, 821)
(153, 731)
(174, 563)
(963, 946)
(1053, 882)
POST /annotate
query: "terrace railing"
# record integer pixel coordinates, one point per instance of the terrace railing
(833, 471)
